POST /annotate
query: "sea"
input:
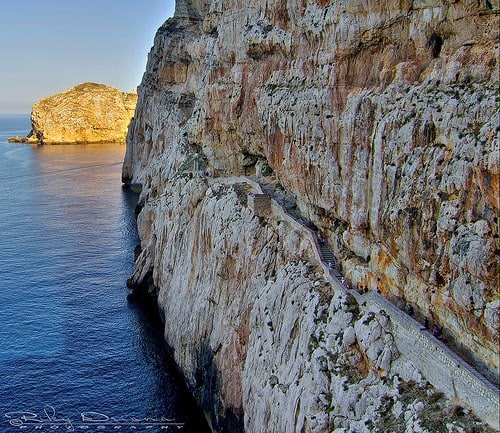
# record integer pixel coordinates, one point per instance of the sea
(76, 354)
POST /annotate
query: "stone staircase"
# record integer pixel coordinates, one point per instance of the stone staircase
(327, 255)
(329, 259)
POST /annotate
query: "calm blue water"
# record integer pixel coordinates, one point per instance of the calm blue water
(74, 353)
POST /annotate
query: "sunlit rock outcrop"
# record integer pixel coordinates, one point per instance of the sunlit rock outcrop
(379, 120)
(86, 113)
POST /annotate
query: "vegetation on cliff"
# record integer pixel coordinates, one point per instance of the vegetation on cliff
(380, 120)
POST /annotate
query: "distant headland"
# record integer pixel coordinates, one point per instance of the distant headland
(86, 113)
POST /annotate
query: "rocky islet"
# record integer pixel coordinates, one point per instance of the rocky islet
(86, 113)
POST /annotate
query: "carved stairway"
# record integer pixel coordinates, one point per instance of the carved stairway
(327, 255)
(331, 261)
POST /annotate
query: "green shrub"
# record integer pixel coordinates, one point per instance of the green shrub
(266, 169)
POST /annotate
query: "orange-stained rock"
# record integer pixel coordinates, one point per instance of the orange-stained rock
(379, 119)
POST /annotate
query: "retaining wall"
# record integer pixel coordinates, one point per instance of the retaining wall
(444, 369)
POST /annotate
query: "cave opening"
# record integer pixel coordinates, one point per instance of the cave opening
(435, 43)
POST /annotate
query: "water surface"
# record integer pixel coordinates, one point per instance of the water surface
(72, 349)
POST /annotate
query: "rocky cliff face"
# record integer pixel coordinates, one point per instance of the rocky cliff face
(380, 121)
(86, 113)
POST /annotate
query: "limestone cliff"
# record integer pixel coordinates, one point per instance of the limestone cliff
(379, 121)
(86, 113)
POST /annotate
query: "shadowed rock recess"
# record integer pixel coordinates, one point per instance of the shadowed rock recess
(374, 122)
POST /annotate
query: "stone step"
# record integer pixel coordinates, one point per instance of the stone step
(327, 254)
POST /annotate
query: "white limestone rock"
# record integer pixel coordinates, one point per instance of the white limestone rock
(386, 140)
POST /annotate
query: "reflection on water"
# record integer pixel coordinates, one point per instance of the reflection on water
(69, 337)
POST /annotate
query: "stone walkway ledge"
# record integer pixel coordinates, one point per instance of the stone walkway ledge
(443, 368)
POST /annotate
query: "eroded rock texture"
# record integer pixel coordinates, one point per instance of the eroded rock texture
(380, 120)
(86, 113)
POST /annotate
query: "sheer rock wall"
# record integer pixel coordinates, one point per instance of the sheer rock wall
(380, 120)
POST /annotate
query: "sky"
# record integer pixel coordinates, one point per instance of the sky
(47, 46)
